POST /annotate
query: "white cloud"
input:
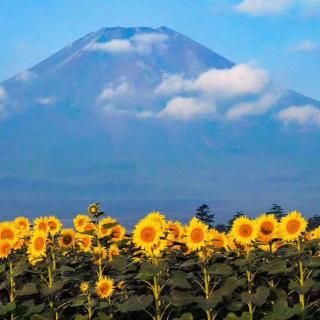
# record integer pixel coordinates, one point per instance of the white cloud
(121, 90)
(141, 42)
(263, 7)
(47, 101)
(303, 115)
(241, 79)
(258, 107)
(25, 76)
(2, 93)
(187, 108)
(113, 46)
(306, 46)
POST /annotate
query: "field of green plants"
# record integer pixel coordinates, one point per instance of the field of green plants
(261, 269)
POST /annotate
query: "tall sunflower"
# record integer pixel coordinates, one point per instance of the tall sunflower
(156, 217)
(8, 232)
(67, 238)
(84, 241)
(80, 222)
(218, 239)
(23, 225)
(113, 251)
(104, 287)
(244, 230)
(146, 234)
(38, 244)
(5, 249)
(54, 225)
(118, 232)
(197, 234)
(292, 226)
(175, 231)
(41, 223)
(267, 227)
(100, 254)
(105, 227)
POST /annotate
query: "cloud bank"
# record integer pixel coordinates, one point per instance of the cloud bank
(306, 115)
(141, 43)
(263, 7)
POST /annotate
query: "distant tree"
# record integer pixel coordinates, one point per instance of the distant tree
(313, 222)
(277, 210)
(238, 214)
(203, 214)
(221, 227)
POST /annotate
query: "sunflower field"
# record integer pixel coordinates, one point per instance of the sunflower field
(261, 269)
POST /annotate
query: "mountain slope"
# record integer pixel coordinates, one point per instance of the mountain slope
(142, 119)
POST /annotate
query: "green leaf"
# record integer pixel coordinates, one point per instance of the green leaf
(178, 279)
(9, 307)
(232, 316)
(46, 291)
(78, 301)
(301, 289)
(28, 288)
(135, 303)
(182, 298)
(258, 299)
(221, 269)
(209, 304)
(185, 316)
(2, 267)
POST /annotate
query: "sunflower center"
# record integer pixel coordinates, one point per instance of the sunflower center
(293, 226)
(52, 225)
(105, 288)
(23, 224)
(42, 226)
(39, 244)
(80, 222)
(267, 228)
(245, 230)
(148, 234)
(116, 232)
(197, 235)
(175, 231)
(218, 242)
(67, 239)
(5, 248)
(7, 234)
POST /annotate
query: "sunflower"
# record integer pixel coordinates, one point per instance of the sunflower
(113, 251)
(158, 249)
(89, 227)
(146, 234)
(175, 231)
(267, 227)
(105, 227)
(93, 209)
(84, 287)
(34, 260)
(104, 287)
(244, 230)
(80, 222)
(23, 225)
(292, 226)
(38, 244)
(156, 217)
(8, 232)
(54, 225)
(218, 239)
(84, 241)
(315, 233)
(5, 249)
(100, 254)
(118, 232)
(197, 234)
(41, 224)
(67, 238)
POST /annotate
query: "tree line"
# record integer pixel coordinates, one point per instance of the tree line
(204, 214)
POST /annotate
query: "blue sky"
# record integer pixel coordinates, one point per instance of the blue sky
(281, 36)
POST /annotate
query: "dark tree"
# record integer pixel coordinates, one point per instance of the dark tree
(203, 214)
(238, 214)
(313, 222)
(221, 227)
(277, 210)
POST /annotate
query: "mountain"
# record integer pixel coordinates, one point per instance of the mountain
(142, 119)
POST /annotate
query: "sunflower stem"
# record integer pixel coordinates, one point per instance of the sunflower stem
(90, 311)
(12, 286)
(301, 277)
(156, 293)
(207, 279)
(250, 283)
